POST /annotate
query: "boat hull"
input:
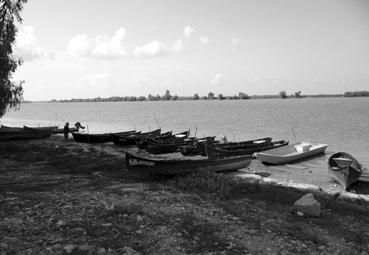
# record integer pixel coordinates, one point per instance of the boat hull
(91, 138)
(347, 174)
(159, 166)
(219, 152)
(26, 134)
(287, 154)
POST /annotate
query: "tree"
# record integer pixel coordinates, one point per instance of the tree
(11, 93)
(196, 97)
(221, 97)
(283, 94)
(167, 95)
(211, 95)
(298, 94)
(242, 95)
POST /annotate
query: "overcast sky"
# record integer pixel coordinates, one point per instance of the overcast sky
(90, 48)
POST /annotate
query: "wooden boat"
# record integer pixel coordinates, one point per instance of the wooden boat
(42, 128)
(155, 132)
(142, 142)
(289, 153)
(91, 138)
(26, 127)
(344, 169)
(215, 151)
(125, 139)
(24, 134)
(199, 147)
(246, 143)
(147, 165)
(7, 128)
(161, 148)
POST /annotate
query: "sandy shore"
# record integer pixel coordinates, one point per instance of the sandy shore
(59, 197)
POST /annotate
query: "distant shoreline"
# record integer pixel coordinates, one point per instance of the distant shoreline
(190, 98)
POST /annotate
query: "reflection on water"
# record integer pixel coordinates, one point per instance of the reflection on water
(342, 123)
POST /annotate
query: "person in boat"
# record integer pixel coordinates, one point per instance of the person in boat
(78, 125)
(66, 131)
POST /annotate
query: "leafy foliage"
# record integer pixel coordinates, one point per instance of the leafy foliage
(10, 92)
(283, 94)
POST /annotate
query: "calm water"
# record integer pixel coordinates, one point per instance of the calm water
(343, 123)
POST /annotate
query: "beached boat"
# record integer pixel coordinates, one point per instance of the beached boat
(289, 153)
(162, 147)
(27, 127)
(125, 139)
(42, 128)
(91, 138)
(245, 143)
(199, 147)
(142, 142)
(155, 132)
(148, 165)
(344, 169)
(23, 134)
(215, 151)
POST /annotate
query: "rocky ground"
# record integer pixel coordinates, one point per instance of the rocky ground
(60, 197)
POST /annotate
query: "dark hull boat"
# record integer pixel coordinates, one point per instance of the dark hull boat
(246, 143)
(24, 134)
(125, 139)
(198, 147)
(344, 169)
(98, 138)
(166, 138)
(146, 165)
(222, 152)
(161, 148)
(43, 128)
(201, 149)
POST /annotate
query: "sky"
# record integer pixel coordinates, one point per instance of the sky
(90, 48)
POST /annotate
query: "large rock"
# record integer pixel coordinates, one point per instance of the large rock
(307, 205)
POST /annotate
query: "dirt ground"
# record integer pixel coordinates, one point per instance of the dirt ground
(60, 197)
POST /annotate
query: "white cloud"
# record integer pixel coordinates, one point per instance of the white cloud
(110, 48)
(152, 49)
(103, 46)
(177, 46)
(100, 81)
(79, 46)
(204, 40)
(25, 46)
(187, 31)
(218, 78)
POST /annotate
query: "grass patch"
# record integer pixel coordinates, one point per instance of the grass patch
(207, 182)
(202, 237)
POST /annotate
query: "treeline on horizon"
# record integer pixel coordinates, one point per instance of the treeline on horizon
(211, 96)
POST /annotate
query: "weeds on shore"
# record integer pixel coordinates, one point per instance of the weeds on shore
(208, 182)
(226, 186)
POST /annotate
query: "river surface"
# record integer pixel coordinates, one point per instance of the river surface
(342, 123)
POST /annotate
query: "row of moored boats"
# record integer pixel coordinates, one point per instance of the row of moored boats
(156, 157)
